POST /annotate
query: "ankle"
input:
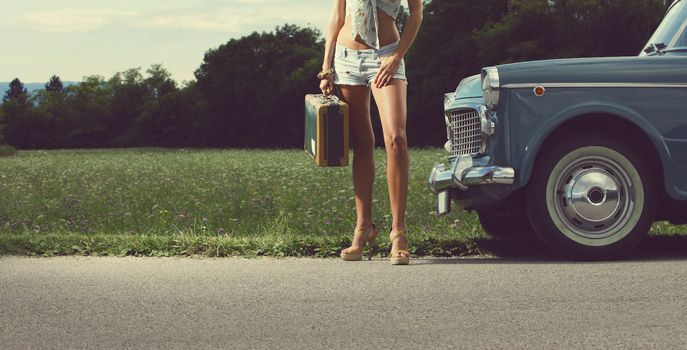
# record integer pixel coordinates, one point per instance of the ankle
(398, 236)
(364, 226)
(398, 227)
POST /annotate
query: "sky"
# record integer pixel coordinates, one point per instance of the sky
(77, 38)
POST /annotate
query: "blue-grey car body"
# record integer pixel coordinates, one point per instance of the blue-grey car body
(649, 91)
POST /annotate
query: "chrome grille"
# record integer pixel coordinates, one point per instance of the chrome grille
(465, 132)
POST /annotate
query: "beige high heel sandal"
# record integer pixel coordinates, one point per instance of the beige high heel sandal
(398, 256)
(351, 254)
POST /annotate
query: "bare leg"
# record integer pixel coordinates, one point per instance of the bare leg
(363, 141)
(391, 102)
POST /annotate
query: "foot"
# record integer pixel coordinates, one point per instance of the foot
(361, 235)
(399, 244)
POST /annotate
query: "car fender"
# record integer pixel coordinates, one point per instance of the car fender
(550, 124)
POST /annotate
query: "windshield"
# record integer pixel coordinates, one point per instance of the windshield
(671, 33)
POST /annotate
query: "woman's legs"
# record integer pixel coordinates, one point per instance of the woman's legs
(363, 140)
(391, 102)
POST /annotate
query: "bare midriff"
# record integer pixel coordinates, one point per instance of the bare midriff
(388, 34)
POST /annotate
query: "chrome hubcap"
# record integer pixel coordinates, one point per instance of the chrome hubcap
(594, 197)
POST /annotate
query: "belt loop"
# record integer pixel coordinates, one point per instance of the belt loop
(345, 52)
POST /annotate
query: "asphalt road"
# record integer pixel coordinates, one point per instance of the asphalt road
(263, 303)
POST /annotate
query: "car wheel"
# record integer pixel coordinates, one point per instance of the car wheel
(591, 197)
(504, 224)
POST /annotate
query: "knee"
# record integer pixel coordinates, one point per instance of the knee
(397, 142)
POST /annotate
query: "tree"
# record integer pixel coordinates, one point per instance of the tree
(254, 88)
(159, 81)
(574, 28)
(2, 137)
(16, 114)
(128, 101)
(54, 85)
(51, 109)
(16, 91)
(168, 112)
(172, 121)
(87, 123)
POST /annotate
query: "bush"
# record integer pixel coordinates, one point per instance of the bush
(7, 150)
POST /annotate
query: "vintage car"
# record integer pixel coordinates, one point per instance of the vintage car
(587, 153)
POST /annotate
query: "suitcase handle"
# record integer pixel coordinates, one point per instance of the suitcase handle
(335, 96)
(323, 99)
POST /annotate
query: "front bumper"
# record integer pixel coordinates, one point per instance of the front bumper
(462, 174)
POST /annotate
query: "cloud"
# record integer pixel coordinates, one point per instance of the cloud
(216, 22)
(234, 18)
(75, 20)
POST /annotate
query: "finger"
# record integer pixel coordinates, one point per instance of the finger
(382, 80)
(378, 77)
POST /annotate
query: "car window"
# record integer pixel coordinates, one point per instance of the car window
(672, 32)
(680, 37)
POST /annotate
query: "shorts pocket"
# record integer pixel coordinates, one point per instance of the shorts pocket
(344, 66)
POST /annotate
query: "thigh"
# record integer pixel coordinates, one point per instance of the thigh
(358, 99)
(391, 102)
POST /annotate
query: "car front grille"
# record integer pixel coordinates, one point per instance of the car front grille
(465, 132)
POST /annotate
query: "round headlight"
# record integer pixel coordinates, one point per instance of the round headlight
(490, 86)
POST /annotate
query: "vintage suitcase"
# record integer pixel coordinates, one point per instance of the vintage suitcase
(326, 130)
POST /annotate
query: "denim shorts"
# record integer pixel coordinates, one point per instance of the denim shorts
(359, 67)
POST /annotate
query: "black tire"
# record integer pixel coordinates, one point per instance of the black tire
(504, 224)
(591, 197)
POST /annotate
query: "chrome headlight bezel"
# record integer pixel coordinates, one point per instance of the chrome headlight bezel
(490, 87)
(448, 99)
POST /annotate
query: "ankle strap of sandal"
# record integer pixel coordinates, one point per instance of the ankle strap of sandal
(362, 230)
(396, 234)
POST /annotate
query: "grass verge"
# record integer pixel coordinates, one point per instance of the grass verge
(157, 245)
(176, 202)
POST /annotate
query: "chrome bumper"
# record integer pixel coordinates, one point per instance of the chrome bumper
(462, 175)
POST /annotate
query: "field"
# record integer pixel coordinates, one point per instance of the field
(162, 202)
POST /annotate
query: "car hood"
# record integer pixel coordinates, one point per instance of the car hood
(663, 69)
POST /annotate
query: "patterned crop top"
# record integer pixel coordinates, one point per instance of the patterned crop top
(364, 16)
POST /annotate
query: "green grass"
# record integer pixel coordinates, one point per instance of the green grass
(162, 202)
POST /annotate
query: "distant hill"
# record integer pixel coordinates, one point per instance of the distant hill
(31, 87)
